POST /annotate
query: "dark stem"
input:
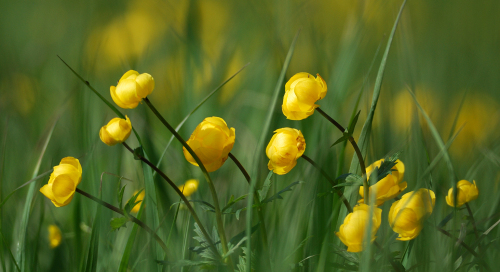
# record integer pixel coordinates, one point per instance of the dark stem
(459, 241)
(332, 182)
(132, 218)
(186, 201)
(472, 220)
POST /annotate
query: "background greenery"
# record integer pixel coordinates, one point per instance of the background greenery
(445, 51)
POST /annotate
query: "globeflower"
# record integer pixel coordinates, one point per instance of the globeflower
(285, 147)
(55, 236)
(352, 231)
(388, 187)
(131, 89)
(63, 181)
(140, 197)
(466, 192)
(407, 215)
(116, 131)
(189, 187)
(301, 92)
(211, 141)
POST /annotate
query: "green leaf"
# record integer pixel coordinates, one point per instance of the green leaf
(138, 153)
(118, 222)
(93, 253)
(130, 243)
(266, 186)
(120, 196)
(132, 202)
(348, 256)
(278, 194)
(232, 201)
(340, 140)
(352, 125)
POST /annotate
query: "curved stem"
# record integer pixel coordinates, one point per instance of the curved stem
(218, 213)
(361, 161)
(186, 201)
(332, 182)
(132, 218)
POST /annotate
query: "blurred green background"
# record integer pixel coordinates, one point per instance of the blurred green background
(445, 51)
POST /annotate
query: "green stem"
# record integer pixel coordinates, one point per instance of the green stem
(332, 182)
(366, 187)
(186, 201)
(132, 218)
(472, 219)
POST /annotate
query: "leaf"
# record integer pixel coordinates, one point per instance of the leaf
(340, 140)
(118, 222)
(138, 153)
(185, 263)
(120, 196)
(266, 186)
(130, 243)
(352, 125)
(232, 201)
(91, 262)
(132, 202)
(350, 257)
(278, 194)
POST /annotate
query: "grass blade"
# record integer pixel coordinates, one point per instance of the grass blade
(130, 243)
(260, 145)
(91, 264)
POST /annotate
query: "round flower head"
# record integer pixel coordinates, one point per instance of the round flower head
(63, 181)
(388, 187)
(352, 231)
(131, 89)
(466, 192)
(55, 236)
(301, 92)
(140, 197)
(189, 187)
(285, 147)
(116, 131)
(407, 215)
(211, 141)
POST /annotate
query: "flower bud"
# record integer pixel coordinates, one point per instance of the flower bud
(285, 147)
(301, 92)
(352, 231)
(55, 236)
(407, 215)
(140, 197)
(63, 181)
(466, 192)
(116, 131)
(131, 89)
(211, 141)
(388, 187)
(189, 187)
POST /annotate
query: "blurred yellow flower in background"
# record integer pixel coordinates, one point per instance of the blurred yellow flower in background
(55, 236)
(211, 141)
(140, 197)
(390, 186)
(284, 148)
(131, 89)
(20, 91)
(301, 92)
(189, 187)
(466, 192)
(407, 215)
(402, 107)
(116, 131)
(352, 231)
(63, 181)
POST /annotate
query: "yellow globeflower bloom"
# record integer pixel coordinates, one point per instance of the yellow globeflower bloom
(140, 197)
(301, 92)
(466, 192)
(63, 181)
(211, 141)
(285, 147)
(116, 131)
(131, 89)
(388, 187)
(189, 187)
(352, 232)
(55, 236)
(407, 215)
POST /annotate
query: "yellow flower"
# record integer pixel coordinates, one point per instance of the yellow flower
(466, 193)
(353, 231)
(55, 236)
(388, 187)
(407, 215)
(131, 89)
(301, 92)
(63, 181)
(140, 197)
(285, 147)
(211, 141)
(116, 131)
(189, 187)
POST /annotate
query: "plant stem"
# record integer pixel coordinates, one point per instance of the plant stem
(366, 187)
(186, 201)
(132, 218)
(332, 182)
(472, 219)
(218, 214)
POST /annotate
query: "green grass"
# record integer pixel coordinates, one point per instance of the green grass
(433, 99)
